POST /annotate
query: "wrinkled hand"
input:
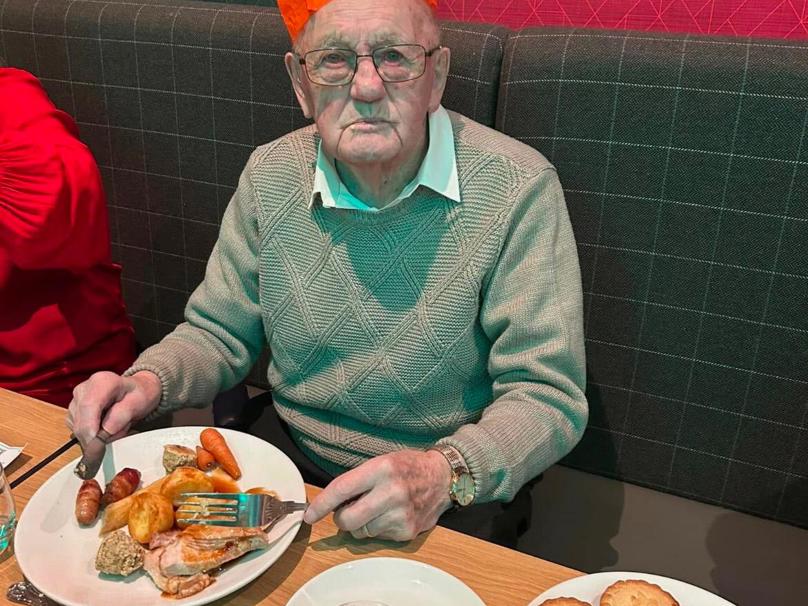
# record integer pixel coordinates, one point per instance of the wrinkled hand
(401, 494)
(128, 399)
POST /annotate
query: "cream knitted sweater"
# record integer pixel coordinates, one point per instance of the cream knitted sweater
(430, 321)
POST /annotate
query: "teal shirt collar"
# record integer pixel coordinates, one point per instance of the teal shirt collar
(438, 171)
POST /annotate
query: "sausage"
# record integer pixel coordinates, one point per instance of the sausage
(88, 502)
(121, 486)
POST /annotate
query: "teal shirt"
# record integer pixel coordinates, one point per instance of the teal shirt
(438, 171)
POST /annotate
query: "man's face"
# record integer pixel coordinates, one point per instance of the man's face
(369, 121)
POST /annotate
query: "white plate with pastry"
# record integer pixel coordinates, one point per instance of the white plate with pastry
(58, 555)
(590, 588)
(383, 581)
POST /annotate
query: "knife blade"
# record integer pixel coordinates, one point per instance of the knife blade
(92, 456)
(64, 448)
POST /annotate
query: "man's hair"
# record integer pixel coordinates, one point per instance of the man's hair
(429, 25)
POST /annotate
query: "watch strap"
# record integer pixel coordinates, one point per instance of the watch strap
(453, 456)
(457, 465)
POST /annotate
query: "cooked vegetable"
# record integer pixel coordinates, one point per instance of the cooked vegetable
(204, 460)
(150, 513)
(214, 443)
(116, 515)
(88, 502)
(175, 456)
(185, 479)
(121, 486)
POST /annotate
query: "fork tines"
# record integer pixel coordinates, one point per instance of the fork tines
(211, 508)
(192, 498)
(234, 509)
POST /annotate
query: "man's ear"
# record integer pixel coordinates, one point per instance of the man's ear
(296, 75)
(441, 60)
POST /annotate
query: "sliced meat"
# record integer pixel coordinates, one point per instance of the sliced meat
(177, 586)
(182, 587)
(161, 539)
(151, 564)
(187, 556)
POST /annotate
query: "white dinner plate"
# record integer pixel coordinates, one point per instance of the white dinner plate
(388, 581)
(589, 587)
(58, 556)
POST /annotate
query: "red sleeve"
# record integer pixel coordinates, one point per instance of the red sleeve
(52, 206)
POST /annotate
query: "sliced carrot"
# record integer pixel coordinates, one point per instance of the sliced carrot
(214, 443)
(204, 460)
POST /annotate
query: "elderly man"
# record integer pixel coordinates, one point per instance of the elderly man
(413, 274)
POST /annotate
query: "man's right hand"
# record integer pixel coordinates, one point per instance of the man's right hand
(128, 399)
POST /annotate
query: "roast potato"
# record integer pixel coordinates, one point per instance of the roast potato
(150, 513)
(116, 515)
(185, 479)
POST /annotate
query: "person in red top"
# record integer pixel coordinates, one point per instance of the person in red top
(62, 316)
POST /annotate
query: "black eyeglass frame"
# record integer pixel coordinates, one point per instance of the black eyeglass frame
(427, 55)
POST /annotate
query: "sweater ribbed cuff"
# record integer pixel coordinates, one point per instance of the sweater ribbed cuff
(478, 460)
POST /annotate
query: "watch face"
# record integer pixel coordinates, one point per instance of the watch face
(463, 489)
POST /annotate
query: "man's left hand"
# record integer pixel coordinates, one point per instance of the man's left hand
(400, 495)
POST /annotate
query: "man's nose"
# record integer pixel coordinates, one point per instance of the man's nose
(367, 85)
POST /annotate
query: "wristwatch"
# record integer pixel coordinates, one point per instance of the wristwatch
(462, 488)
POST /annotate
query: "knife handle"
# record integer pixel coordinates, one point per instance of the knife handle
(89, 464)
(103, 435)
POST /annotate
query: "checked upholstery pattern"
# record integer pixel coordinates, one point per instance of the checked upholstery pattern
(684, 164)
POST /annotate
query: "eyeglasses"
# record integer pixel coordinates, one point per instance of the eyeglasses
(337, 66)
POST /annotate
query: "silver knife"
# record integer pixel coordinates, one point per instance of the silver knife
(92, 456)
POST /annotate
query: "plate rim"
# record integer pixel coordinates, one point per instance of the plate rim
(285, 540)
(361, 561)
(621, 575)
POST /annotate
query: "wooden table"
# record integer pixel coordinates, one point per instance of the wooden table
(500, 576)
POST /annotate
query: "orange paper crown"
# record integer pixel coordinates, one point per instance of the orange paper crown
(296, 13)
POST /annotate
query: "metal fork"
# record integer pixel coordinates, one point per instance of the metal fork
(23, 592)
(234, 509)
